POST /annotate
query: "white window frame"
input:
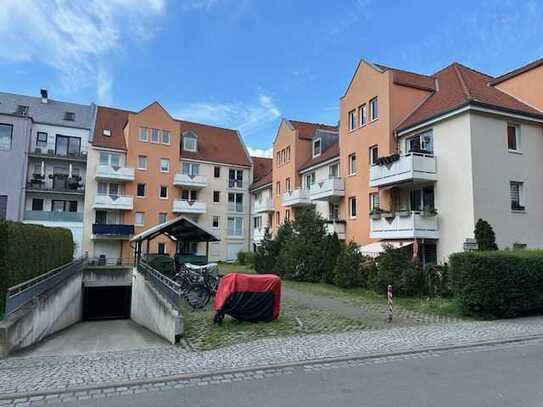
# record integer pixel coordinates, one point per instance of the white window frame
(330, 170)
(144, 157)
(351, 200)
(144, 190)
(162, 161)
(422, 143)
(315, 142)
(352, 159)
(136, 222)
(351, 120)
(165, 217)
(521, 196)
(363, 114)
(374, 108)
(371, 150)
(235, 219)
(517, 138)
(143, 132)
(375, 200)
(160, 191)
(166, 140)
(190, 136)
(157, 132)
(213, 219)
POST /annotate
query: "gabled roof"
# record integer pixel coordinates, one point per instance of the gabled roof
(180, 228)
(410, 79)
(265, 180)
(459, 86)
(331, 152)
(306, 129)
(261, 167)
(114, 120)
(518, 71)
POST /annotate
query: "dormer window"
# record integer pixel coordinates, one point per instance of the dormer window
(22, 110)
(107, 132)
(69, 116)
(190, 141)
(316, 147)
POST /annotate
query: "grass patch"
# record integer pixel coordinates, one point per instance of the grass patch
(226, 268)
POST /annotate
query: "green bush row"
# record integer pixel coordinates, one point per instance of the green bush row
(27, 251)
(498, 284)
(246, 258)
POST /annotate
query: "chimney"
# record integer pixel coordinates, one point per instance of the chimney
(44, 96)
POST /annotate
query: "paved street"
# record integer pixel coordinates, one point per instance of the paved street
(503, 375)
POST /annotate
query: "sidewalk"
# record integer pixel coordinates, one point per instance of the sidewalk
(45, 374)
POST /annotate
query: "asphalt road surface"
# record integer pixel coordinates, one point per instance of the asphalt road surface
(501, 375)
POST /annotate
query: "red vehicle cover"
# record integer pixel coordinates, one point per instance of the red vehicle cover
(249, 297)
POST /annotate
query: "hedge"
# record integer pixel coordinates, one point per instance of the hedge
(499, 284)
(27, 251)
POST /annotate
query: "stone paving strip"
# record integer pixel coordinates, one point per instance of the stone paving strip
(117, 372)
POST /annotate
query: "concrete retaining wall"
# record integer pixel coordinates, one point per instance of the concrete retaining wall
(53, 311)
(107, 277)
(152, 311)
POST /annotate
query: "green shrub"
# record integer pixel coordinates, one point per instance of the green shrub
(484, 235)
(350, 270)
(27, 251)
(162, 262)
(498, 284)
(246, 258)
(331, 251)
(438, 280)
(270, 247)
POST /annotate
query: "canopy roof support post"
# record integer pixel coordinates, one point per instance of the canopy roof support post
(207, 250)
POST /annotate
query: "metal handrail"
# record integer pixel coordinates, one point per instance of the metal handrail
(24, 292)
(166, 286)
(110, 261)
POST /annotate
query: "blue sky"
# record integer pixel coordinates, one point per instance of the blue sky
(246, 63)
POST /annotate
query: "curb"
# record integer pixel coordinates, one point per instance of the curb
(307, 362)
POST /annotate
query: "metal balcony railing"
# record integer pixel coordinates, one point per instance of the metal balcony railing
(112, 229)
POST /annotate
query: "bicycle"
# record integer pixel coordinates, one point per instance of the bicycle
(198, 283)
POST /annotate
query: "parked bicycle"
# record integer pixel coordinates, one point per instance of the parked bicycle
(198, 283)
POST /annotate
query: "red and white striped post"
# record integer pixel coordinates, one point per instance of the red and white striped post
(389, 295)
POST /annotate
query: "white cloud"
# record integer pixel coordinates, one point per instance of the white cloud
(260, 152)
(74, 37)
(245, 117)
(196, 5)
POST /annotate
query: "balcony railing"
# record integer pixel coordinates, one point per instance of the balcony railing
(297, 197)
(235, 183)
(53, 216)
(50, 153)
(411, 167)
(188, 180)
(108, 172)
(111, 230)
(264, 205)
(184, 206)
(107, 201)
(404, 225)
(329, 189)
(235, 207)
(258, 234)
(337, 226)
(66, 187)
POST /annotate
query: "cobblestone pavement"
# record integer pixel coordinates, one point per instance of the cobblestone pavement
(43, 374)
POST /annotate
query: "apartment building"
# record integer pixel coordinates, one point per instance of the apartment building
(147, 167)
(48, 160)
(262, 205)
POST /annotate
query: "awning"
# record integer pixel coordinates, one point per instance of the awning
(376, 248)
(180, 228)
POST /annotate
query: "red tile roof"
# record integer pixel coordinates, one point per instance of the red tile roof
(306, 130)
(328, 154)
(411, 79)
(265, 180)
(518, 71)
(261, 167)
(114, 120)
(459, 86)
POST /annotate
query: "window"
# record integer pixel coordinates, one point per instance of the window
(352, 120)
(278, 158)
(110, 159)
(190, 142)
(189, 195)
(257, 222)
(421, 143)
(143, 134)
(277, 188)
(107, 132)
(374, 154)
(215, 222)
(235, 226)
(277, 218)
(164, 165)
(41, 139)
(216, 196)
(352, 207)
(363, 115)
(163, 192)
(513, 132)
(6, 134)
(101, 218)
(235, 202)
(288, 153)
(374, 200)
(517, 196)
(140, 190)
(155, 136)
(235, 178)
(22, 110)
(142, 162)
(140, 219)
(374, 109)
(287, 185)
(333, 211)
(316, 147)
(422, 198)
(191, 169)
(310, 180)
(287, 215)
(352, 164)
(69, 116)
(162, 217)
(161, 248)
(217, 172)
(333, 171)
(63, 206)
(67, 146)
(37, 204)
(166, 137)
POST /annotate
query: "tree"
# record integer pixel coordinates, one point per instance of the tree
(348, 272)
(484, 235)
(264, 254)
(333, 247)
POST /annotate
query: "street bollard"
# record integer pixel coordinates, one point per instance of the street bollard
(389, 295)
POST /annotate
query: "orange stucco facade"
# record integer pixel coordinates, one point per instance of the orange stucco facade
(526, 87)
(286, 139)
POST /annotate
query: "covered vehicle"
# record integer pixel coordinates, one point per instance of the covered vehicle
(248, 297)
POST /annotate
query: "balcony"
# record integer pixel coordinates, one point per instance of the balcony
(337, 226)
(109, 173)
(327, 190)
(412, 167)
(184, 206)
(404, 225)
(43, 153)
(65, 187)
(106, 201)
(298, 197)
(110, 231)
(258, 235)
(264, 205)
(191, 181)
(48, 216)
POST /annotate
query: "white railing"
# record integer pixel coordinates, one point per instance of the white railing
(114, 173)
(328, 188)
(184, 206)
(411, 166)
(188, 180)
(258, 235)
(111, 201)
(297, 197)
(404, 225)
(264, 205)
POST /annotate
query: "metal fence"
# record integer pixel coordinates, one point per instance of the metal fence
(104, 261)
(23, 293)
(166, 286)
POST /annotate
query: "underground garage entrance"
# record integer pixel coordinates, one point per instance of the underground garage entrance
(111, 302)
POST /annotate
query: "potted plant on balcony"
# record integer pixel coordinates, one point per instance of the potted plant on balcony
(428, 212)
